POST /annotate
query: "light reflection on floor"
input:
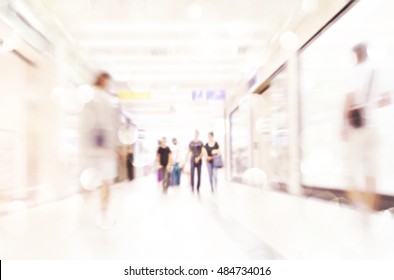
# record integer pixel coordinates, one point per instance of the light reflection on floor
(236, 222)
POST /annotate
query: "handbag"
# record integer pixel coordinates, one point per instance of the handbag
(217, 161)
(356, 116)
(99, 136)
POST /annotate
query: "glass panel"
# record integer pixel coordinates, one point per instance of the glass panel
(240, 141)
(271, 131)
(331, 159)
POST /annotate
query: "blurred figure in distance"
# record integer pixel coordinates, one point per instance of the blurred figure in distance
(159, 172)
(211, 148)
(164, 160)
(196, 152)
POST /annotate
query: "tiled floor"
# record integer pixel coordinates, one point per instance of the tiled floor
(236, 222)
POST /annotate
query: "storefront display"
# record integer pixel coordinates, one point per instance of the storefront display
(270, 119)
(240, 140)
(327, 68)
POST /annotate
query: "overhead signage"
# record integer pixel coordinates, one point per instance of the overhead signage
(208, 94)
(133, 95)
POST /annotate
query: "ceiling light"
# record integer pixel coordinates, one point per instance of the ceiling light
(163, 68)
(173, 59)
(143, 80)
(236, 28)
(309, 6)
(166, 43)
(240, 29)
(289, 41)
(72, 6)
(194, 11)
(140, 85)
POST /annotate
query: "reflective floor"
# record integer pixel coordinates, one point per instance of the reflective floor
(236, 222)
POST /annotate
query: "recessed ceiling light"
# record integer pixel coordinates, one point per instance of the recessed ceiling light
(289, 40)
(72, 6)
(194, 11)
(309, 6)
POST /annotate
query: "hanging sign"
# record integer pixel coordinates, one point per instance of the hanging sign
(134, 95)
(208, 94)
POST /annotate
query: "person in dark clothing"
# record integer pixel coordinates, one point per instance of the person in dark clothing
(159, 175)
(195, 148)
(164, 160)
(211, 148)
(129, 164)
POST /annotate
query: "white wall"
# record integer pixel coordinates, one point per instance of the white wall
(33, 128)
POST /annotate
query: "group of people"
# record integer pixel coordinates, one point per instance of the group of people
(170, 165)
(99, 138)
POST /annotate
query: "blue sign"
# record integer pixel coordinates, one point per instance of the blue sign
(209, 94)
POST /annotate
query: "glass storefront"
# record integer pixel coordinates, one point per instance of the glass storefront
(270, 129)
(240, 140)
(326, 68)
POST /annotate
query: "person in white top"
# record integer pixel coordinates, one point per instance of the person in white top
(365, 93)
(99, 137)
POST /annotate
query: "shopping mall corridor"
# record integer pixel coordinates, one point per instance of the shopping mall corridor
(236, 222)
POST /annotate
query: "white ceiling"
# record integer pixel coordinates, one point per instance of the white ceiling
(209, 42)
(171, 47)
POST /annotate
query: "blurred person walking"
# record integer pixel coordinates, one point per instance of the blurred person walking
(159, 172)
(129, 162)
(196, 151)
(211, 149)
(366, 92)
(176, 158)
(164, 160)
(99, 136)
